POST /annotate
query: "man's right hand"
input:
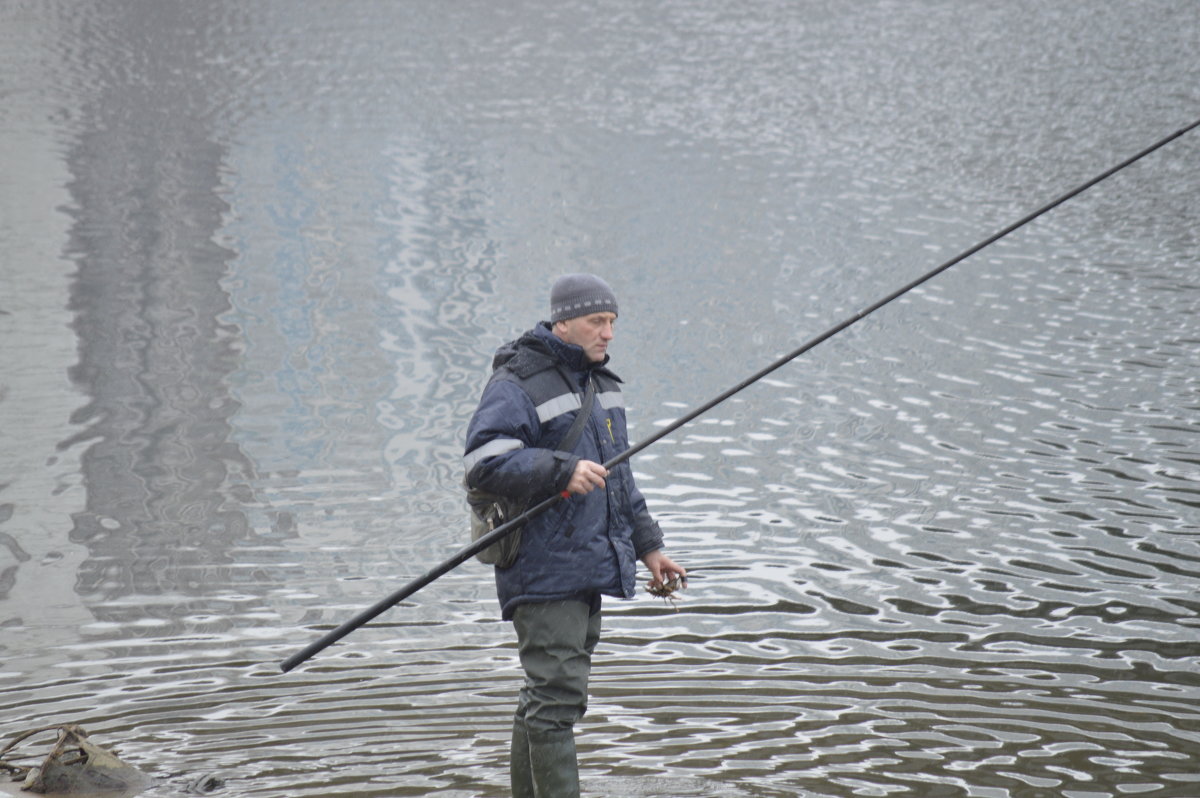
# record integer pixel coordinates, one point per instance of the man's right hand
(587, 477)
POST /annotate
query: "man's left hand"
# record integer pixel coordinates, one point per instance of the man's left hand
(663, 569)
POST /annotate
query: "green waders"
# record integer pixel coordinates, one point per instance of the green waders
(555, 640)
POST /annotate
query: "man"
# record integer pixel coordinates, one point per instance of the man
(583, 547)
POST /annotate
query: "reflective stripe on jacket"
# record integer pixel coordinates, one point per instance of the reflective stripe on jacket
(584, 544)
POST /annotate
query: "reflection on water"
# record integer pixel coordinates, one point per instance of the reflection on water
(165, 485)
(950, 552)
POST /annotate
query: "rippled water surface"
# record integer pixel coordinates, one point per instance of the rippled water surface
(256, 258)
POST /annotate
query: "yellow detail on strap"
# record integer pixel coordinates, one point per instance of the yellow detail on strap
(608, 421)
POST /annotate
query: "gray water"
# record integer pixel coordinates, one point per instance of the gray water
(254, 258)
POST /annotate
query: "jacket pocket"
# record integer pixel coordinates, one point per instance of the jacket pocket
(560, 521)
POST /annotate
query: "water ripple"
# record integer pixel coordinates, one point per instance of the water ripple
(950, 552)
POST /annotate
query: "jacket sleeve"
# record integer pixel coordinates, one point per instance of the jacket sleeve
(647, 535)
(502, 453)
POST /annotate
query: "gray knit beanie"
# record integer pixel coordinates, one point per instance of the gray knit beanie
(579, 295)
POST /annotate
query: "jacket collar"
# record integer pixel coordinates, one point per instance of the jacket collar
(569, 355)
(540, 349)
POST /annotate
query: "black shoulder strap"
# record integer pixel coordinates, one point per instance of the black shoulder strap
(567, 444)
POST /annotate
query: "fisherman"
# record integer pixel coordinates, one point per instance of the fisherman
(582, 548)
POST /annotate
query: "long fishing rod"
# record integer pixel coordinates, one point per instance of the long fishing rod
(508, 528)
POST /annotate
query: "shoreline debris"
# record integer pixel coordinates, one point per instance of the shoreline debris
(74, 765)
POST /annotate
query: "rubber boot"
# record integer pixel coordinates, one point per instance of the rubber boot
(555, 769)
(520, 773)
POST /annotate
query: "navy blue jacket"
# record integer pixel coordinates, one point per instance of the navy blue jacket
(581, 546)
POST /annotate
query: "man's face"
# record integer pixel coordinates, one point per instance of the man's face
(592, 333)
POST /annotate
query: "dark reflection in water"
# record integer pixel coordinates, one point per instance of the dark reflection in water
(952, 552)
(165, 482)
